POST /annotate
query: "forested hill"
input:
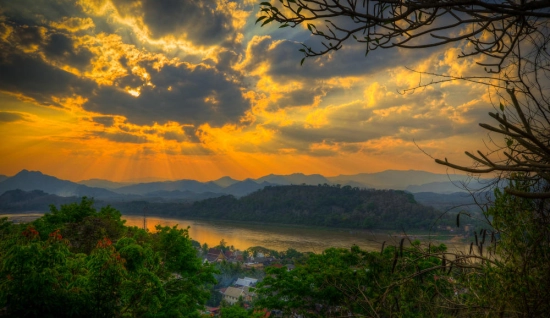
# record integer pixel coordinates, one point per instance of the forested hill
(318, 205)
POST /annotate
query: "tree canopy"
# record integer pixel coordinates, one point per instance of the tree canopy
(76, 261)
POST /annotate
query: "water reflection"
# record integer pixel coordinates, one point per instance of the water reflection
(275, 237)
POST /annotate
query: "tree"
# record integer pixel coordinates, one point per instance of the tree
(356, 283)
(513, 36)
(510, 274)
(246, 255)
(414, 23)
(141, 274)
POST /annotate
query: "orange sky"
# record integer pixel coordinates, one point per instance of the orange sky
(133, 91)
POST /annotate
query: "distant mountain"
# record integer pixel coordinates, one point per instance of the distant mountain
(105, 184)
(245, 187)
(36, 200)
(178, 195)
(454, 201)
(411, 180)
(225, 182)
(396, 179)
(3, 177)
(295, 178)
(181, 185)
(316, 205)
(449, 187)
(34, 180)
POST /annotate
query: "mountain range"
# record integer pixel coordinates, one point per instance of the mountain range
(411, 180)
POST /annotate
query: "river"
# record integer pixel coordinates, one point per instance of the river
(276, 237)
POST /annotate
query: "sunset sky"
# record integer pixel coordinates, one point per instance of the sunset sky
(148, 89)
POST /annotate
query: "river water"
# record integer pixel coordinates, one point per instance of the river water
(281, 237)
(276, 237)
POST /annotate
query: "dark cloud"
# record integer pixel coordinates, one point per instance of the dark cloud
(197, 20)
(32, 77)
(186, 94)
(355, 132)
(191, 134)
(6, 117)
(150, 131)
(172, 135)
(38, 11)
(284, 59)
(122, 137)
(299, 97)
(322, 152)
(106, 121)
(24, 71)
(25, 37)
(60, 48)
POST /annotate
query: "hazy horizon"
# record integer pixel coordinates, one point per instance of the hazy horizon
(156, 179)
(197, 90)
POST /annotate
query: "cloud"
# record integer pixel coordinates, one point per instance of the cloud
(283, 59)
(106, 121)
(74, 24)
(40, 81)
(30, 11)
(198, 21)
(184, 93)
(7, 117)
(60, 48)
(186, 78)
(122, 137)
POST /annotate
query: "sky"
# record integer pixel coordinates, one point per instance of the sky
(163, 90)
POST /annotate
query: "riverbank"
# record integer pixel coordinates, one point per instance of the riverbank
(243, 235)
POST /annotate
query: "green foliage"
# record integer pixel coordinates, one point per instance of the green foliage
(507, 273)
(239, 312)
(516, 280)
(126, 272)
(342, 281)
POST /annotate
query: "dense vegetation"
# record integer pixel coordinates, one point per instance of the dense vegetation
(321, 205)
(76, 261)
(505, 274)
(36, 200)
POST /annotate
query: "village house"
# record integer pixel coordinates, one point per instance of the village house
(215, 255)
(253, 265)
(232, 295)
(247, 281)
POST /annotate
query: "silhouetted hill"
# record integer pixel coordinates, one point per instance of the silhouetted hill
(310, 205)
(449, 187)
(397, 179)
(36, 200)
(454, 201)
(178, 195)
(245, 187)
(35, 180)
(181, 185)
(295, 178)
(106, 184)
(225, 182)
(412, 181)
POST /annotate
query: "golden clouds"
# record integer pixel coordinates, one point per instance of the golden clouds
(73, 24)
(374, 93)
(232, 138)
(170, 88)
